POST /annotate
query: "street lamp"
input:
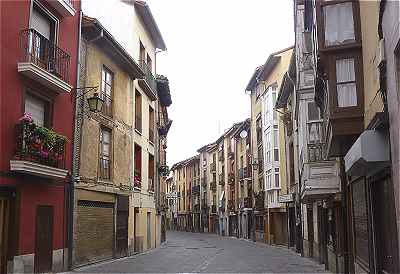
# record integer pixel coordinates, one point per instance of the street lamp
(95, 103)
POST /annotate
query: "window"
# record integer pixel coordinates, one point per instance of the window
(346, 83)
(339, 24)
(273, 103)
(313, 111)
(138, 111)
(149, 63)
(107, 80)
(105, 153)
(269, 185)
(142, 52)
(277, 179)
(151, 173)
(151, 124)
(38, 108)
(276, 154)
(44, 35)
(138, 166)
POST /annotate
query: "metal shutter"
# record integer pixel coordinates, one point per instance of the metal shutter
(94, 232)
(40, 23)
(36, 108)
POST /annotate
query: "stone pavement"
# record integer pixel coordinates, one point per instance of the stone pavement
(186, 252)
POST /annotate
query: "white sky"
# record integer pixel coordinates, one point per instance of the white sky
(213, 48)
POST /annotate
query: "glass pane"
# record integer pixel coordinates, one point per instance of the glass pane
(339, 24)
(36, 108)
(313, 112)
(276, 154)
(345, 70)
(347, 95)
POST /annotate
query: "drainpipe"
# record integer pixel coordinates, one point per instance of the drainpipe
(75, 153)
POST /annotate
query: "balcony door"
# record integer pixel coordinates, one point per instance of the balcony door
(41, 40)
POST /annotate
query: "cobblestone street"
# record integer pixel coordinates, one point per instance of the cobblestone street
(186, 252)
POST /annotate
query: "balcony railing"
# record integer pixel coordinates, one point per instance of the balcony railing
(42, 52)
(138, 123)
(148, 75)
(39, 144)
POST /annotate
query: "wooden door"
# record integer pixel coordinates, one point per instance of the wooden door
(122, 227)
(4, 224)
(44, 239)
(384, 226)
(310, 229)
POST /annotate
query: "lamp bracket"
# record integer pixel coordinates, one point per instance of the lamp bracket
(85, 91)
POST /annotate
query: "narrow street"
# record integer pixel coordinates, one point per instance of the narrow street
(186, 252)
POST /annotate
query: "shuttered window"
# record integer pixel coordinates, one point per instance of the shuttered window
(37, 108)
(41, 23)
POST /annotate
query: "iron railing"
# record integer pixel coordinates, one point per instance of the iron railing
(231, 205)
(231, 178)
(33, 145)
(37, 49)
(247, 202)
(315, 152)
(213, 209)
(148, 75)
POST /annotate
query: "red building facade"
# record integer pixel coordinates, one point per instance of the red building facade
(39, 49)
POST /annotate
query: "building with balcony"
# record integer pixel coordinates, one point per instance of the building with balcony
(267, 139)
(39, 62)
(171, 196)
(104, 148)
(343, 61)
(144, 41)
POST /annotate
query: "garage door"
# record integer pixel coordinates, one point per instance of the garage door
(94, 232)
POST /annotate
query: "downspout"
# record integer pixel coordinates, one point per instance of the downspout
(75, 153)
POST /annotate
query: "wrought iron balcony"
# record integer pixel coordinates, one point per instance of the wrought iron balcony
(148, 84)
(43, 61)
(39, 151)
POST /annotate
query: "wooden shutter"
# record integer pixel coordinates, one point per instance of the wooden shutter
(41, 23)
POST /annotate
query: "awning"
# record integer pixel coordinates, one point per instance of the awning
(369, 154)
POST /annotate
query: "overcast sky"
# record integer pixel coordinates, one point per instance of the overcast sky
(213, 47)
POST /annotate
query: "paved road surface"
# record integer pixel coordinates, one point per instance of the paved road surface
(186, 252)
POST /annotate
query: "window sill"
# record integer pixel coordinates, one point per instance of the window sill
(137, 189)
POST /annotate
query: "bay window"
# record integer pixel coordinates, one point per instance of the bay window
(339, 24)
(346, 83)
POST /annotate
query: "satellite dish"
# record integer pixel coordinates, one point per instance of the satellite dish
(243, 134)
